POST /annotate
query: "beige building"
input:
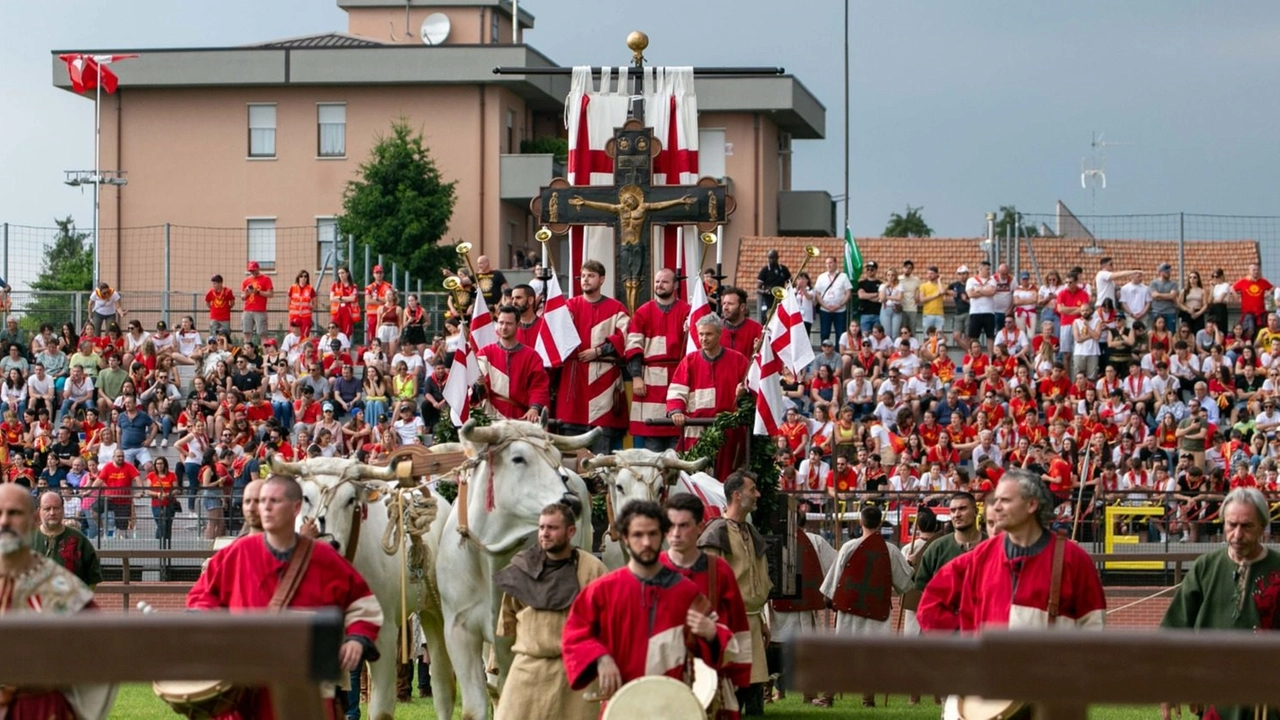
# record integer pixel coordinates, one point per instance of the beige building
(249, 148)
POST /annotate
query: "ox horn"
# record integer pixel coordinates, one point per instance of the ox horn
(689, 466)
(574, 442)
(598, 462)
(480, 435)
(379, 472)
(292, 469)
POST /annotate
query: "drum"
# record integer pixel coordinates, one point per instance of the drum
(198, 698)
(654, 696)
(972, 707)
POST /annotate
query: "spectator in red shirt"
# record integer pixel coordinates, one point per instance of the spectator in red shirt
(1071, 299)
(255, 290)
(118, 477)
(220, 300)
(1252, 290)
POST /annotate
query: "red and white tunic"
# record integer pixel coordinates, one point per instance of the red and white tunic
(656, 336)
(590, 393)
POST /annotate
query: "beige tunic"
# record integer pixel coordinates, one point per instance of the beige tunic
(536, 686)
(752, 572)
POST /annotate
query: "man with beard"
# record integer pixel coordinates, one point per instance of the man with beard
(65, 545)
(685, 512)
(964, 536)
(705, 383)
(538, 587)
(525, 301)
(604, 638)
(248, 574)
(30, 583)
(590, 390)
(740, 332)
(732, 538)
(656, 341)
(515, 383)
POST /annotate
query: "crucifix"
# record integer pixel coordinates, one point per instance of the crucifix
(633, 205)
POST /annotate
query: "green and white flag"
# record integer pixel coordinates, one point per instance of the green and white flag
(852, 258)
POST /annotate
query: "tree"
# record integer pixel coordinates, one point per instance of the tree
(911, 224)
(1009, 222)
(67, 267)
(400, 206)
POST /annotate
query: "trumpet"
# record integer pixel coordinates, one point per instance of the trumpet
(543, 235)
(810, 252)
(708, 239)
(464, 249)
(778, 294)
(460, 294)
(452, 283)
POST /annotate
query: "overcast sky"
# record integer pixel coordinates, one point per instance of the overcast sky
(958, 107)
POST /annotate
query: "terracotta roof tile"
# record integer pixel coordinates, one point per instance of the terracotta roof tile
(1233, 256)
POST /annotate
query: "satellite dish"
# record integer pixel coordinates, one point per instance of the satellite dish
(435, 29)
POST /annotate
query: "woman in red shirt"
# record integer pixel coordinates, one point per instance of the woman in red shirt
(161, 487)
(302, 301)
(344, 306)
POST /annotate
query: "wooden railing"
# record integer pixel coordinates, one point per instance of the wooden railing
(1059, 673)
(289, 653)
(126, 587)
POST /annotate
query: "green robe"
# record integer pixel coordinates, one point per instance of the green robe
(73, 551)
(1208, 599)
(939, 553)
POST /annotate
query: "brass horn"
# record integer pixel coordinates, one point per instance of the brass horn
(452, 283)
(464, 249)
(810, 252)
(543, 235)
(778, 293)
(708, 239)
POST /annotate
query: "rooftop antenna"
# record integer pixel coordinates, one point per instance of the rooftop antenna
(1093, 169)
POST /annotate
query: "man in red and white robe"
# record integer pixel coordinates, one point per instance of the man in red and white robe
(515, 381)
(590, 390)
(642, 619)
(707, 382)
(656, 340)
(245, 574)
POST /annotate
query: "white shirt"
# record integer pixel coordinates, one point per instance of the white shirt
(993, 453)
(1014, 341)
(292, 346)
(829, 289)
(1219, 293)
(1087, 347)
(858, 390)
(918, 386)
(187, 342)
(906, 364)
(805, 299)
(409, 431)
(819, 481)
(1105, 288)
(980, 305)
(105, 307)
(1136, 386)
(1184, 369)
(412, 360)
(1135, 298)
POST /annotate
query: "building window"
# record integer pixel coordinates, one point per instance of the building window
(327, 245)
(262, 242)
(262, 131)
(711, 152)
(493, 26)
(511, 131)
(333, 130)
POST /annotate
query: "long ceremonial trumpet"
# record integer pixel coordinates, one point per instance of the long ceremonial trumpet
(810, 252)
(778, 294)
(543, 235)
(464, 249)
(708, 239)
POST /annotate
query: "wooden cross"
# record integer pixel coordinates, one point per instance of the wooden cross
(632, 205)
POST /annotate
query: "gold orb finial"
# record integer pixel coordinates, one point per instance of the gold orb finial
(637, 41)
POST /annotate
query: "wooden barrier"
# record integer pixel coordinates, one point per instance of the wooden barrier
(1060, 673)
(126, 587)
(290, 653)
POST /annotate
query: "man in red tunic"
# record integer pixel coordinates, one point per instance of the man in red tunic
(590, 390)
(516, 383)
(656, 340)
(682, 555)
(707, 382)
(740, 331)
(30, 583)
(245, 574)
(642, 619)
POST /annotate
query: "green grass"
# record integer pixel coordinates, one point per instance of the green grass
(137, 702)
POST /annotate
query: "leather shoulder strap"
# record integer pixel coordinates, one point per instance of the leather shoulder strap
(1055, 577)
(288, 586)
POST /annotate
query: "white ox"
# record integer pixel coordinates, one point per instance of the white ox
(517, 471)
(635, 474)
(337, 490)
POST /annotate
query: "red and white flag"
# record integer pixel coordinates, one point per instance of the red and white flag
(788, 336)
(698, 308)
(671, 109)
(557, 336)
(481, 330)
(463, 374)
(765, 380)
(86, 71)
(591, 115)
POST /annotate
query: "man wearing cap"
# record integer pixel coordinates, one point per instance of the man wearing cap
(831, 295)
(929, 298)
(773, 274)
(868, 297)
(960, 296)
(1106, 280)
(375, 296)
(909, 281)
(1164, 298)
(255, 291)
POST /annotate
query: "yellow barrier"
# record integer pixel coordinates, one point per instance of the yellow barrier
(1111, 539)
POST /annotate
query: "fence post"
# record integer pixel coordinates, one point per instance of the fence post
(79, 308)
(168, 276)
(366, 267)
(393, 275)
(351, 258)
(1182, 245)
(7, 277)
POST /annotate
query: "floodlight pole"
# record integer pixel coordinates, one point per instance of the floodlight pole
(97, 173)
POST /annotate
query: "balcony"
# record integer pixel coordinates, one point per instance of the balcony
(522, 176)
(806, 213)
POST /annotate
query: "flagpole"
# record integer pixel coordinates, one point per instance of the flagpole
(846, 113)
(97, 172)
